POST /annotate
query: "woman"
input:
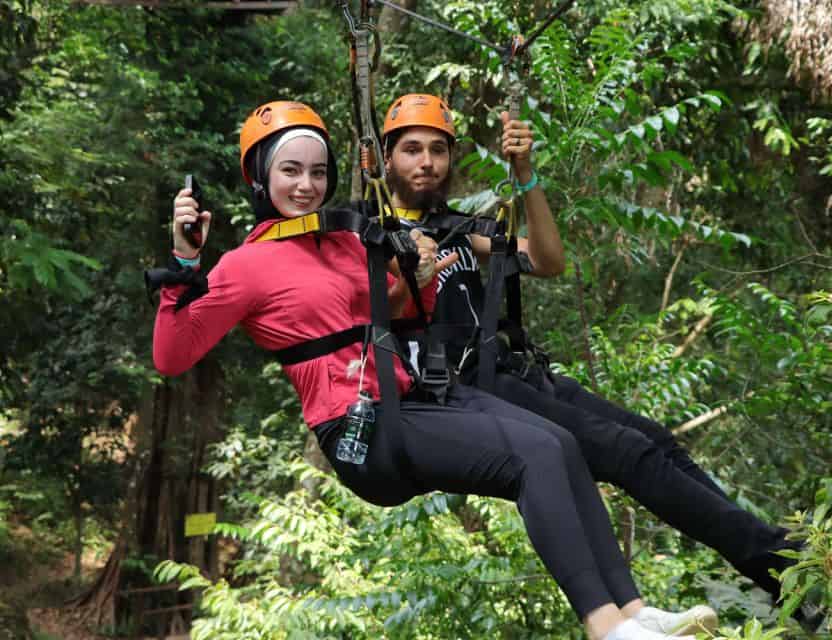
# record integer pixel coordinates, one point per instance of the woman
(312, 285)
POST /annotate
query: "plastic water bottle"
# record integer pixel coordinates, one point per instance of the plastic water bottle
(359, 422)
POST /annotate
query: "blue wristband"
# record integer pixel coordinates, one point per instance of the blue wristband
(187, 262)
(523, 188)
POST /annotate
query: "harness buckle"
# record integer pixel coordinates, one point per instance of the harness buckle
(323, 226)
(436, 382)
(499, 244)
(523, 262)
(374, 236)
(405, 250)
(435, 377)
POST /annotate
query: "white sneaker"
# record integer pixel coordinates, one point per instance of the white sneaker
(699, 618)
(632, 630)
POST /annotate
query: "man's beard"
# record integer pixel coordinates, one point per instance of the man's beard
(424, 199)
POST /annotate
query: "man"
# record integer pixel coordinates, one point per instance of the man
(628, 450)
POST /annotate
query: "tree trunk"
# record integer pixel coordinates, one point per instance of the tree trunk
(79, 538)
(176, 423)
(313, 455)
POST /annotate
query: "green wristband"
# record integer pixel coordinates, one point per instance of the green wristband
(187, 262)
(523, 188)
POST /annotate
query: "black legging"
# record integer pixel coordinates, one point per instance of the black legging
(481, 445)
(643, 458)
(568, 390)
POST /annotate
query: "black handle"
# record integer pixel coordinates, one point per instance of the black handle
(193, 230)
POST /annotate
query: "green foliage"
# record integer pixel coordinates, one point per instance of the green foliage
(335, 566)
(792, 343)
(31, 259)
(641, 371)
(244, 462)
(820, 133)
(812, 571)
(777, 134)
(439, 566)
(752, 630)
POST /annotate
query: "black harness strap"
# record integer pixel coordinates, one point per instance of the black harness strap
(322, 346)
(448, 224)
(511, 273)
(487, 369)
(343, 219)
(383, 340)
(176, 274)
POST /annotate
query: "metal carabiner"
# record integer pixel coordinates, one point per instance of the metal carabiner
(508, 211)
(500, 187)
(386, 211)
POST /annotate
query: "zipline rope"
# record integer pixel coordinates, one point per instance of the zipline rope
(440, 25)
(507, 51)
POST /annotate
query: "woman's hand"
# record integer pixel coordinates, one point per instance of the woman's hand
(184, 212)
(517, 146)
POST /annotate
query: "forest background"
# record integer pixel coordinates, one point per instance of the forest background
(686, 147)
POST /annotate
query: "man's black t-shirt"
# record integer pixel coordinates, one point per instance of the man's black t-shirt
(460, 294)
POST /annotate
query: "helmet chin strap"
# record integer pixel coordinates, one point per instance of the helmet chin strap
(262, 203)
(260, 200)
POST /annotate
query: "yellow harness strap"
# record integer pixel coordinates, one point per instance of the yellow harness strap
(292, 227)
(311, 222)
(407, 214)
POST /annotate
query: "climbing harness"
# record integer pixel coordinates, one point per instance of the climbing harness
(505, 264)
(505, 267)
(378, 331)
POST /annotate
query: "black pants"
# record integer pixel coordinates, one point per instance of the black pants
(479, 444)
(643, 458)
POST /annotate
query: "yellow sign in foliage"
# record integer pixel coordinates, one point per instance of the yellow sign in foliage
(199, 524)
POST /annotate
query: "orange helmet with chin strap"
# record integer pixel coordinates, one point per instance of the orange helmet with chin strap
(271, 119)
(419, 110)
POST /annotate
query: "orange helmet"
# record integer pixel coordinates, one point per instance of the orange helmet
(419, 110)
(273, 118)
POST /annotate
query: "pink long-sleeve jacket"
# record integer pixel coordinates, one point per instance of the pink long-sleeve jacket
(283, 293)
